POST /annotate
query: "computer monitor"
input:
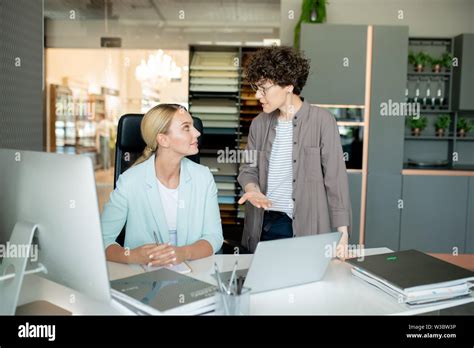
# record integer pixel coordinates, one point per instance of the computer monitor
(57, 192)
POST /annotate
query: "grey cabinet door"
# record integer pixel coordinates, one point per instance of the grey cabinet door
(434, 214)
(382, 217)
(355, 185)
(337, 54)
(463, 85)
(389, 67)
(470, 218)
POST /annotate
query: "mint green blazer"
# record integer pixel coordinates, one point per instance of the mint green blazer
(136, 202)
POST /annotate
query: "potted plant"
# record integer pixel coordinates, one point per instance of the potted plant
(418, 60)
(417, 125)
(312, 11)
(436, 64)
(447, 60)
(441, 124)
(463, 126)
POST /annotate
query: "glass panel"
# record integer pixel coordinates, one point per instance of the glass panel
(352, 141)
(348, 114)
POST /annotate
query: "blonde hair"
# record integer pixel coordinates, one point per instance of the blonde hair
(156, 121)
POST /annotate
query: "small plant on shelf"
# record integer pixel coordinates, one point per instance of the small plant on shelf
(436, 64)
(463, 126)
(447, 60)
(417, 125)
(442, 124)
(418, 60)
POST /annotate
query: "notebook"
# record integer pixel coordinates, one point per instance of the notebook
(164, 292)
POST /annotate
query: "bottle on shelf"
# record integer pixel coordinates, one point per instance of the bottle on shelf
(427, 99)
(417, 92)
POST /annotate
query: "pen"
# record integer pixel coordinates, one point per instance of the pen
(156, 238)
(218, 278)
(240, 282)
(231, 281)
(221, 287)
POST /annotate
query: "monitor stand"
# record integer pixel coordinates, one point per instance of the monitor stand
(13, 268)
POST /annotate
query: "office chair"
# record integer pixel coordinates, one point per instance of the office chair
(129, 147)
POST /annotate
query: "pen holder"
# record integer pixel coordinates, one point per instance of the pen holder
(233, 304)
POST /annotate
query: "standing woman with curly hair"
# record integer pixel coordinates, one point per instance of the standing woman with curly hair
(299, 184)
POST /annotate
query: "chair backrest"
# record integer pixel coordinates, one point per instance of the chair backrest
(130, 146)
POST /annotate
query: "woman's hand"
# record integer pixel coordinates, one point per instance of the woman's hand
(257, 199)
(153, 255)
(170, 255)
(180, 254)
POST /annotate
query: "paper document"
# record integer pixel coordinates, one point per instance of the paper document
(181, 268)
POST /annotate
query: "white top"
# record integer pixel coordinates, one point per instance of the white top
(169, 200)
(280, 171)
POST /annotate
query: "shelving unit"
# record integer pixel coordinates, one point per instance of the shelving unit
(222, 98)
(433, 93)
(62, 123)
(214, 97)
(73, 117)
(431, 146)
(464, 145)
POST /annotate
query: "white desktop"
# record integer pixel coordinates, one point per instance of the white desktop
(57, 194)
(54, 197)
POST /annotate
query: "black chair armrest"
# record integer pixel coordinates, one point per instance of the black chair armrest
(229, 247)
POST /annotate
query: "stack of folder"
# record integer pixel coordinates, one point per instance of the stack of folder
(413, 277)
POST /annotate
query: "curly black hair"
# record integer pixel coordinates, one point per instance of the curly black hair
(281, 64)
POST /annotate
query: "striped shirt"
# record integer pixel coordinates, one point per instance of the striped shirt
(280, 171)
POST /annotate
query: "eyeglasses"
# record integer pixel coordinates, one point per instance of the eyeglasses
(262, 90)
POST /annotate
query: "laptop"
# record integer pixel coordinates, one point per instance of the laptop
(288, 262)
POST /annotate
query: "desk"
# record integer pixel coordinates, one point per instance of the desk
(339, 293)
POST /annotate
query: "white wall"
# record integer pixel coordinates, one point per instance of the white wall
(445, 18)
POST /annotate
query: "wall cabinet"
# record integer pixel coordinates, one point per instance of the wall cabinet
(470, 218)
(464, 73)
(434, 214)
(337, 54)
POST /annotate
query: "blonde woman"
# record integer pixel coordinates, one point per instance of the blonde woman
(168, 202)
